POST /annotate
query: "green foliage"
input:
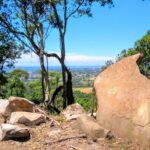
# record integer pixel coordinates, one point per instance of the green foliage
(3, 81)
(17, 84)
(34, 92)
(59, 101)
(19, 74)
(16, 87)
(17, 18)
(34, 89)
(126, 53)
(88, 101)
(8, 50)
(55, 77)
(143, 46)
(8, 55)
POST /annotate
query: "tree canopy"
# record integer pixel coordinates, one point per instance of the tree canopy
(9, 50)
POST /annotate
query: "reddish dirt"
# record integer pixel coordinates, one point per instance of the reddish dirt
(87, 90)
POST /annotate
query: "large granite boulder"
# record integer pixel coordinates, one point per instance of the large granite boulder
(8, 131)
(26, 118)
(123, 96)
(20, 104)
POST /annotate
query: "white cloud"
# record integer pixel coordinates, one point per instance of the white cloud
(71, 59)
(30, 59)
(86, 58)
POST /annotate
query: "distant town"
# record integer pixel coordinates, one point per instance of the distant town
(82, 76)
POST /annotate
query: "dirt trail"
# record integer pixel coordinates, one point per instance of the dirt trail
(66, 136)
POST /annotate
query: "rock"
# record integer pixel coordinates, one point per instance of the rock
(4, 108)
(8, 131)
(40, 111)
(92, 114)
(26, 118)
(72, 112)
(20, 104)
(123, 96)
(15, 104)
(89, 126)
(54, 123)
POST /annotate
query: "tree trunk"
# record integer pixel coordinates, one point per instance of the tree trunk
(67, 77)
(70, 98)
(43, 88)
(45, 77)
(64, 95)
(62, 43)
(69, 94)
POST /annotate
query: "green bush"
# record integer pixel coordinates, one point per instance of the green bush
(87, 101)
(34, 92)
(16, 87)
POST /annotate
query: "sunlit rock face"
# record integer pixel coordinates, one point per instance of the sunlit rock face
(123, 96)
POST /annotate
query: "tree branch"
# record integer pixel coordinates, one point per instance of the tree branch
(74, 11)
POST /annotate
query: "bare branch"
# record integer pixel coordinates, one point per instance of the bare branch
(75, 10)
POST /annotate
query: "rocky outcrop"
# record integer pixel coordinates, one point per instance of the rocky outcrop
(27, 118)
(18, 110)
(89, 126)
(123, 96)
(73, 111)
(20, 104)
(8, 131)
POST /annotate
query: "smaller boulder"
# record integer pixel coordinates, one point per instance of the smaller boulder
(8, 131)
(72, 112)
(20, 104)
(27, 118)
(4, 108)
(89, 126)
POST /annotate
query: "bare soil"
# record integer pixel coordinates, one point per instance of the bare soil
(62, 135)
(87, 90)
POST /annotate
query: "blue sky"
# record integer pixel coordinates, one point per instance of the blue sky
(92, 41)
